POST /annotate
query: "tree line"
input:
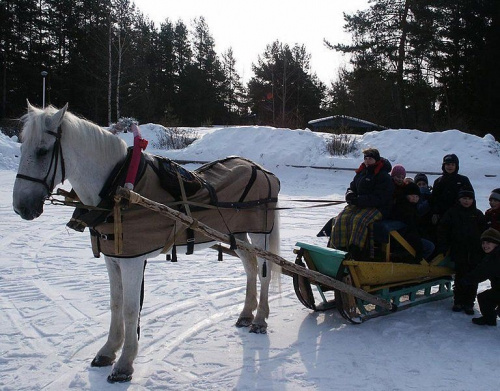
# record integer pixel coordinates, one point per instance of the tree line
(413, 64)
(429, 65)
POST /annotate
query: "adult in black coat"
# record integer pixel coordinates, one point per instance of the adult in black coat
(446, 187)
(460, 231)
(488, 269)
(369, 198)
(372, 186)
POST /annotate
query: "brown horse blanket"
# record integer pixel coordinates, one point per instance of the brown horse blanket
(232, 195)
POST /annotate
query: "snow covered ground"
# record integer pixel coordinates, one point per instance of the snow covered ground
(54, 295)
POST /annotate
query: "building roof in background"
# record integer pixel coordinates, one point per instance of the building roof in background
(337, 121)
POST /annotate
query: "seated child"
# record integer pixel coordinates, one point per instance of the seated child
(493, 214)
(398, 175)
(424, 210)
(489, 268)
(405, 210)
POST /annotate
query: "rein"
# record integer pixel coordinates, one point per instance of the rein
(77, 204)
(57, 154)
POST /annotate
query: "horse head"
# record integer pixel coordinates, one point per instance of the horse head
(41, 166)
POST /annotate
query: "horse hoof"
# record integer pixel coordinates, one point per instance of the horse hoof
(119, 378)
(102, 361)
(244, 322)
(258, 329)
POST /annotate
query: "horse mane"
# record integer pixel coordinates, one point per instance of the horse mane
(78, 131)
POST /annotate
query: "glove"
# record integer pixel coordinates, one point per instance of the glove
(350, 196)
(435, 219)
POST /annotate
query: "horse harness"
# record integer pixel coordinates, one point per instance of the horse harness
(232, 195)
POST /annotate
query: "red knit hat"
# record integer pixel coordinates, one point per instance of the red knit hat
(398, 170)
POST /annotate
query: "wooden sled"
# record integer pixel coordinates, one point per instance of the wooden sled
(402, 285)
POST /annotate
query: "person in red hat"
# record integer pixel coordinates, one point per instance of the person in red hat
(493, 214)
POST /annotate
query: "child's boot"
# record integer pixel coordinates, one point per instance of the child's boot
(483, 321)
(469, 309)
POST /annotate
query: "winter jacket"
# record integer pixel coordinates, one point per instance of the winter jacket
(423, 205)
(460, 231)
(424, 214)
(445, 191)
(493, 218)
(398, 190)
(406, 212)
(372, 186)
(488, 269)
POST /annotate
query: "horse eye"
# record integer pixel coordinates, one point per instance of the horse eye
(40, 152)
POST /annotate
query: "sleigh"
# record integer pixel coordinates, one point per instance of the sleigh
(387, 277)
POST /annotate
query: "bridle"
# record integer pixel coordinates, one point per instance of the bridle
(57, 154)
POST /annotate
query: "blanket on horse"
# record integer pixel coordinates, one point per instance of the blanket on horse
(232, 195)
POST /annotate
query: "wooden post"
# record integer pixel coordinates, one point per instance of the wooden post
(196, 225)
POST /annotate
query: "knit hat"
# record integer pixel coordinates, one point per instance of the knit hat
(372, 152)
(495, 194)
(421, 177)
(450, 158)
(411, 189)
(466, 192)
(491, 235)
(398, 170)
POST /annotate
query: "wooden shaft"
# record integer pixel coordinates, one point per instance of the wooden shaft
(196, 225)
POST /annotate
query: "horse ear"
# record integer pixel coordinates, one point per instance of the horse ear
(57, 118)
(30, 107)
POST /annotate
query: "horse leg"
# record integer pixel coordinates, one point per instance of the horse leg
(259, 324)
(265, 269)
(107, 354)
(250, 264)
(132, 271)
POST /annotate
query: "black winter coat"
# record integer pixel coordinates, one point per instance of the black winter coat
(372, 186)
(460, 231)
(406, 212)
(493, 218)
(445, 191)
(488, 269)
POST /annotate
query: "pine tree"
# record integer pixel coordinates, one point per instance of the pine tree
(283, 92)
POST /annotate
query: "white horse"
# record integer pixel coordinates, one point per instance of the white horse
(57, 145)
